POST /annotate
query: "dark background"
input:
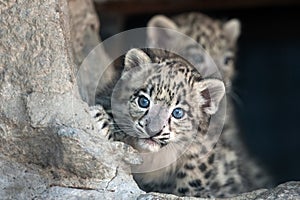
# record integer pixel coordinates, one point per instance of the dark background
(268, 69)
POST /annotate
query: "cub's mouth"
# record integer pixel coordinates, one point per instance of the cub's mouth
(149, 144)
(151, 141)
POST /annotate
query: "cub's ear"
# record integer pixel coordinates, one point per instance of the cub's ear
(162, 22)
(212, 90)
(134, 58)
(160, 36)
(232, 30)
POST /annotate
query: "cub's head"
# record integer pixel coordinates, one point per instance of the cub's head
(160, 103)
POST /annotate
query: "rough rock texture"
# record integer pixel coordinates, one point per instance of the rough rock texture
(85, 37)
(48, 141)
(286, 191)
(18, 181)
(85, 28)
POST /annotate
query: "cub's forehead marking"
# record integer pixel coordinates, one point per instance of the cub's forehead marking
(170, 79)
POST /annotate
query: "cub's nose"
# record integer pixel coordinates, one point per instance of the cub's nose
(153, 129)
(155, 120)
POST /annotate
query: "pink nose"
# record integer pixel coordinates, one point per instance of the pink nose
(156, 119)
(154, 128)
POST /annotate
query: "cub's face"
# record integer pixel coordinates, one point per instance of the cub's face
(161, 104)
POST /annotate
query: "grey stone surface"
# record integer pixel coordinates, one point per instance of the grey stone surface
(18, 181)
(117, 188)
(85, 28)
(47, 136)
(249, 195)
(85, 37)
(285, 191)
(157, 196)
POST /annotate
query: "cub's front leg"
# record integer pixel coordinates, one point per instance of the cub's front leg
(104, 123)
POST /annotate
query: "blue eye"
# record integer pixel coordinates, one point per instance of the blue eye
(178, 113)
(143, 102)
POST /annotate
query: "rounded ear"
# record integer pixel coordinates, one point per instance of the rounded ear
(160, 36)
(161, 21)
(134, 58)
(212, 90)
(232, 29)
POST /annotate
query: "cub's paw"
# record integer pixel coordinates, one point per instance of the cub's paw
(103, 121)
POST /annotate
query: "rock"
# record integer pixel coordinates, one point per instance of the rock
(285, 191)
(118, 188)
(157, 196)
(85, 37)
(85, 28)
(47, 137)
(249, 195)
(18, 181)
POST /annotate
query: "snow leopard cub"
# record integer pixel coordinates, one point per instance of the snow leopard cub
(165, 105)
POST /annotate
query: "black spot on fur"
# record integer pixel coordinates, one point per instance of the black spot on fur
(190, 79)
(189, 166)
(181, 174)
(208, 174)
(229, 181)
(229, 166)
(148, 187)
(211, 158)
(234, 190)
(195, 183)
(198, 38)
(215, 185)
(183, 190)
(199, 130)
(227, 60)
(182, 70)
(105, 124)
(202, 167)
(192, 156)
(165, 185)
(199, 189)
